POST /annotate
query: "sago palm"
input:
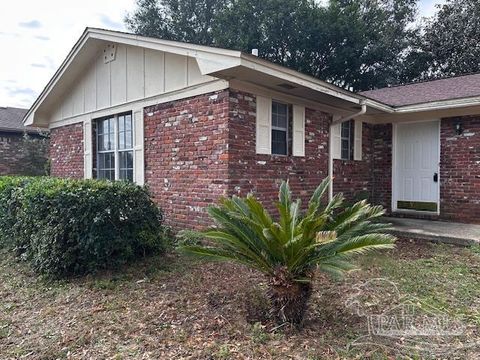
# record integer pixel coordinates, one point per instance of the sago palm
(289, 250)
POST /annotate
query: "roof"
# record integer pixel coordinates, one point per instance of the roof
(458, 87)
(11, 119)
(231, 65)
(220, 63)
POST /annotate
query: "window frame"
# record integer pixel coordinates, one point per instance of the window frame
(278, 128)
(350, 138)
(116, 151)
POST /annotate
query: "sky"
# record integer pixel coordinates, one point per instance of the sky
(36, 36)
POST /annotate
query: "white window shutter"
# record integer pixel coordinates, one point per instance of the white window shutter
(263, 138)
(357, 146)
(138, 148)
(335, 140)
(87, 149)
(298, 130)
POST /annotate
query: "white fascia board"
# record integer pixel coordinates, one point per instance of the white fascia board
(175, 47)
(379, 106)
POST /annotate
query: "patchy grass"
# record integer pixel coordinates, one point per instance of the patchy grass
(176, 307)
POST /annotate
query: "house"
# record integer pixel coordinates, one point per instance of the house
(23, 151)
(196, 123)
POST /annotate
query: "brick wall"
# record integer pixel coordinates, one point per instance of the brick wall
(186, 168)
(66, 151)
(262, 174)
(460, 170)
(23, 155)
(354, 178)
(382, 165)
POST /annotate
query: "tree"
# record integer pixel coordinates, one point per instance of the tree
(357, 44)
(451, 41)
(288, 251)
(180, 20)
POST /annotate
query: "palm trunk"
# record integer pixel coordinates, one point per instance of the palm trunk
(288, 298)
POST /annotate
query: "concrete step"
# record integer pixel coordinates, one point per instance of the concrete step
(436, 231)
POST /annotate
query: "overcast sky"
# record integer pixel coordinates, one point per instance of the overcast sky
(36, 35)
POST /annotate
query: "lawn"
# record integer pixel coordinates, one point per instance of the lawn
(177, 307)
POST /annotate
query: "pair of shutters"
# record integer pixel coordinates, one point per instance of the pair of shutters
(138, 154)
(336, 133)
(264, 127)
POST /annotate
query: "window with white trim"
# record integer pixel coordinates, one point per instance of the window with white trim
(347, 140)
(114, 138)
(279, 128)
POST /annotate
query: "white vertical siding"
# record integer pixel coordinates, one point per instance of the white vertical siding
(103, 83)
(90, 86)
(118, 76)
(136, 73)
(154, 72)
(175, 72)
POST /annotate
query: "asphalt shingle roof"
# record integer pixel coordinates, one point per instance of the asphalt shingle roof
(11, 120)
(436, 90)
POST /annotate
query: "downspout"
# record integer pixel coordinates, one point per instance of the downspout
(330, 155)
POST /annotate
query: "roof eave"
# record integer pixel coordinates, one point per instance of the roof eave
(440, 105)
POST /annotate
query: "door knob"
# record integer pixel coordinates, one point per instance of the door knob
(435, 177)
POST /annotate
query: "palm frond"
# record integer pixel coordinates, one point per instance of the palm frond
(326, 236)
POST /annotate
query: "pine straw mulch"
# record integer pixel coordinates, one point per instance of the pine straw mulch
(178, 308)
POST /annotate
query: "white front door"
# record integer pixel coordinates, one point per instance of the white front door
(416, 166)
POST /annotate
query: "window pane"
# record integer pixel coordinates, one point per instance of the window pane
(345, 149)
(106, 166)
(111, 141)
(100, 142)
(347, 140)
(121, 123)
(279, 142)
(99, 128)
(128, 122)
(128, 139)
(121, 140)
(125, 135)
(279, 115)
(126, 165)
(115, 136)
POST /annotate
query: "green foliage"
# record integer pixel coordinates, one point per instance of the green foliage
(358, 44)
(290, 248)
(189, 237)
(34, 160)
(259, 335)
(65, 227)
(450, 43)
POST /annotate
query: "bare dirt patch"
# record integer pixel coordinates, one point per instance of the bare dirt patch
(176, 307)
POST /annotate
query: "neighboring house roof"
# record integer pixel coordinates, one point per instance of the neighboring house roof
(11, 120)
(458, 87)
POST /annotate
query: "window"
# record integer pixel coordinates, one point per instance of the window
(279, 128)
(115, 148)
(347, 135)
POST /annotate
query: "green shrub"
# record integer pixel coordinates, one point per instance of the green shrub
(10, 189)
(188, 237)
(65, 227)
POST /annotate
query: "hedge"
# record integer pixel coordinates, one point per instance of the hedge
(65, 227)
